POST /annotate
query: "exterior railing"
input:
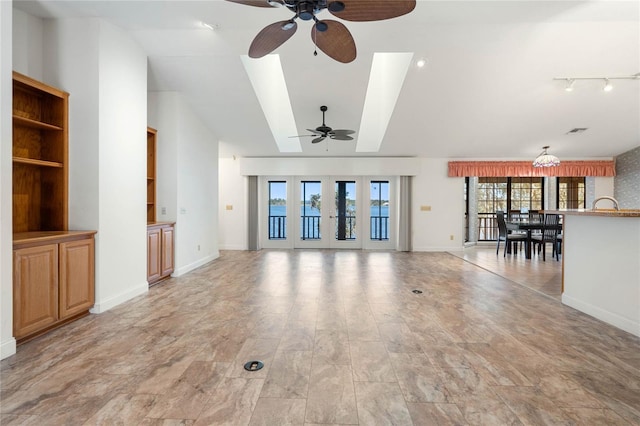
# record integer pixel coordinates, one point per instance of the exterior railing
(310, 227)
(487, 227)
(350, 228)
(379, 227)
(277, 227)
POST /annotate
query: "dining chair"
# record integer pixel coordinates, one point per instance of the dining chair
(549, 234)
(506, 236)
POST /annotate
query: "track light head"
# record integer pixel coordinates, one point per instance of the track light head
(607, 85)
(569, 87)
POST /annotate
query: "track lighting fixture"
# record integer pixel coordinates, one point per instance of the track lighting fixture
(569, 87)
(607, 81)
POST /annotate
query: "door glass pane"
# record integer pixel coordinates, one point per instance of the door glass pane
(310, 207)
(277, 210)
(345, 210)
(379, 207)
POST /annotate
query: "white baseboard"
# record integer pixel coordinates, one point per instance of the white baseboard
(190, 267)
(233, 247)
(7, 348)
(104, 305)
(437, 249)
(609, 317)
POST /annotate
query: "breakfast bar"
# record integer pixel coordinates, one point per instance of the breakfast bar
(601, 265)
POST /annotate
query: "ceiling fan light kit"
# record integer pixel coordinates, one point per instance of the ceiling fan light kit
(330, 36)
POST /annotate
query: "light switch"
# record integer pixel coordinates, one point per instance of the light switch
(183, 210)
(425, 208)
(229, 207)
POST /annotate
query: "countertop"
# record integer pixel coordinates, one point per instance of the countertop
(598, 212)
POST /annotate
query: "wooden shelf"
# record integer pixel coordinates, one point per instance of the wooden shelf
(40, 163)
(27, 122)
(40, 154)
(151, 174)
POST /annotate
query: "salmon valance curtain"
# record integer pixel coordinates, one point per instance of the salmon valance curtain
(526, 169)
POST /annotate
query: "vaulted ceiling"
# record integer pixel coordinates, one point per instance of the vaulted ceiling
(487, 89)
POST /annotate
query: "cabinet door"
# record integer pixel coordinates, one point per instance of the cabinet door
(35, 288)
(153, 254)
(167, 251)
(77, 278)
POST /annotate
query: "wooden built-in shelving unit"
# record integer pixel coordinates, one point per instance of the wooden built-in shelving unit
(53, 268)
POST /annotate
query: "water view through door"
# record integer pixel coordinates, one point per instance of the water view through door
(327, 212)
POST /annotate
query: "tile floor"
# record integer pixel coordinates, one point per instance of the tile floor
(344, 341)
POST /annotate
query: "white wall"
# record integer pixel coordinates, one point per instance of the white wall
(122, 237)
(27, 44)
(431, 186)
(7, 342)
(187, 178)
(432, 230)
(232, 226)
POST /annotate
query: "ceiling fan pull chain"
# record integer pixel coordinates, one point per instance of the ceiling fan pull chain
(315, 45)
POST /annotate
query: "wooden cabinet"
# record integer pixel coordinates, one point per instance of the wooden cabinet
(151, 175)
(35, 289)
(53, 268)
(77, 290)
(53, 279)
(160, 247)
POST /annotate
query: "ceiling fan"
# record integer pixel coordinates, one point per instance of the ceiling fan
(332, 37)
(324, 131)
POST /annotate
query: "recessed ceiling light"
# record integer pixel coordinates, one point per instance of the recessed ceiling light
(421, 62)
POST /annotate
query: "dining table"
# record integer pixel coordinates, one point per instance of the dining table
(525, 224)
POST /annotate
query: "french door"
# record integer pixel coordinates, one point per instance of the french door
(330, 212)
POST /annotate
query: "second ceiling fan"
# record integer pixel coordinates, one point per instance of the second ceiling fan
(330, 36)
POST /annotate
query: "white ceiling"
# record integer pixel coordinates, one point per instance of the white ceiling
(487, 90)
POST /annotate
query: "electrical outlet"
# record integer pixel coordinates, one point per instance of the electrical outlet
(451, 237)
(425, 208)
(229, 207)
(163, 210)
(183, 210)
(198, 247)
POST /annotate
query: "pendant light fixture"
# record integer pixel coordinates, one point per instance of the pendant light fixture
(545, 159)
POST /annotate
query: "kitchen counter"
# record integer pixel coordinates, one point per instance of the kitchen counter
(598, 212)
(601, 265)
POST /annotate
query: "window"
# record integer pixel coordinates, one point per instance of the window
(526, 194)
(379, 209)
(571, 193)
(277, 210)
(310, 208)
(506, 194)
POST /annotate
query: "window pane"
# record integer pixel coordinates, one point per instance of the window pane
(379, 209)
(310, 207)
(345, 204)
(277, 210)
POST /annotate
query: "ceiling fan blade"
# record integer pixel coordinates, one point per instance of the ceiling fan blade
(270, 38)
(257, 3)
(316, 133)
(341, 137)
(336, 42)
(316, 140)
(373, 10)
(342, 132)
